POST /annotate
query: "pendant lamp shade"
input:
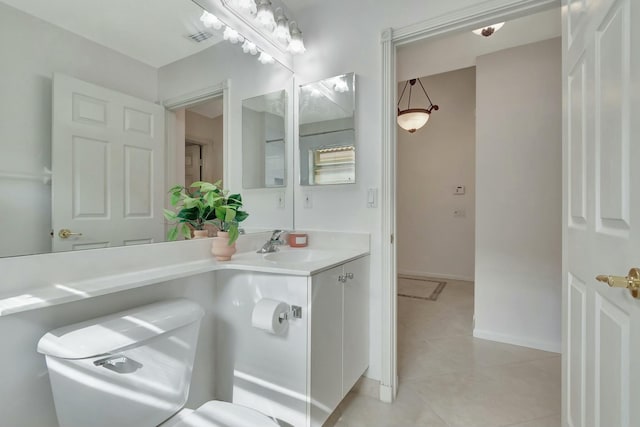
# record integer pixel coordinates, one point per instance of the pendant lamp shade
(412, 119)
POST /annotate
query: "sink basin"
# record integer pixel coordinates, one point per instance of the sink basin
(297, 256)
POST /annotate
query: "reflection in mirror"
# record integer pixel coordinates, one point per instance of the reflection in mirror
(264, 141)
(327, 131)
(106, 162)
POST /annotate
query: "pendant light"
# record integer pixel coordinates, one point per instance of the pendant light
(413, 119)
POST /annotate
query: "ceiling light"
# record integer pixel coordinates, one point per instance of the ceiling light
(210, 20)
(232, 35)
(264, 15)
(265, 58)
(412, 119)
(488, 30)
(281, 33)
(296, 45)
(249, 47)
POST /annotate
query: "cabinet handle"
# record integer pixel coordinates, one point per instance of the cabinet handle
(344, 277)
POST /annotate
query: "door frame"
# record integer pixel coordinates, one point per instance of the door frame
(185, 101)
(475, 16)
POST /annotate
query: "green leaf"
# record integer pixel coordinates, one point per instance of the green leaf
(221, 212)
(231, 214)
(186, 231)
(175, 198)
(241, 216)
(235, 200)
(170, 215)
(233, 234)
(190, 202)
(172, 234)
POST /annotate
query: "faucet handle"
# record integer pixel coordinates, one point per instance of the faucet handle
(276, 237)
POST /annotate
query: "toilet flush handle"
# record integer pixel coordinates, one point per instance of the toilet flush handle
(118, 363)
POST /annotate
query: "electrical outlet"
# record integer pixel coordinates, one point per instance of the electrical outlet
(308, 200)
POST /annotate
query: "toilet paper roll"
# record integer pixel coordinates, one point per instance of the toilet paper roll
(266, 316)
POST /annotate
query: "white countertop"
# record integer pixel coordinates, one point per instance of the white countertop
(25, 299)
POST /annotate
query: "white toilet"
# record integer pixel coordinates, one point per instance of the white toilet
(133, 369)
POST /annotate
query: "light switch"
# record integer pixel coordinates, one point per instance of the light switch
(372, 198)
(459, 213)
(280, 200)
(459, 190)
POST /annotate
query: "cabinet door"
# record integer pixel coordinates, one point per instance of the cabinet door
(356, 323)
(326, 344)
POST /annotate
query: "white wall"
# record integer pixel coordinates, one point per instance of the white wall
(247, 78)
(32, 50)
(460, 50)
(432, 241)
(519, 196)
(207, 132)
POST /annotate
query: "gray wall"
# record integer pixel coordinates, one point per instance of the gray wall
(519, 195)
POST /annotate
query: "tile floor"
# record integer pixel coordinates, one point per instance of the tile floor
(450, 379)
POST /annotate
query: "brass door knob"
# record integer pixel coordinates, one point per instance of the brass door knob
(631, 282)
(65, 233)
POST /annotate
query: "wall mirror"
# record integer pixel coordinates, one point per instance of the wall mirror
(264, 146)
(116, 64)
(327, 140)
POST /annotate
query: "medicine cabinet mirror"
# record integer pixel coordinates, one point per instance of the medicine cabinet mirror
(327, 137)
(264, 146)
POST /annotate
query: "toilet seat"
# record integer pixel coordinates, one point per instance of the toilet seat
(216, 413)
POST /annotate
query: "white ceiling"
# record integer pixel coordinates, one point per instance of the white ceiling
(210, 109)
(152, 31)
(428, 57)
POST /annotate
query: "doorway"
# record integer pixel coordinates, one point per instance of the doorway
(391, 48)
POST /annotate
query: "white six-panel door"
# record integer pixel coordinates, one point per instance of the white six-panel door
(601, 77)
(108, 167)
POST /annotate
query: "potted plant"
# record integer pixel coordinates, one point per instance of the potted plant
(205, 203)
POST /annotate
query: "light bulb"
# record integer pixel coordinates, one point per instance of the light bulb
(232, 35)
(296, 45)
(249, 47)
(264, 15)
(210, 20)
(265, 58)
(248, 6)
(281, 33)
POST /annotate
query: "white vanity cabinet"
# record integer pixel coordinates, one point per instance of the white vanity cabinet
(339, 341)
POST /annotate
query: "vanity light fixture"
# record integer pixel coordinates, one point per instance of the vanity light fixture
(296, 45)
(265, 58)
(249, 47)
(247, 6)
(264, 15)
(412, 119)
(281, 33)
(210, 20)
(232, 35)
(488, 30)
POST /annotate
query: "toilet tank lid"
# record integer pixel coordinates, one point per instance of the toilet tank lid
(115, 331)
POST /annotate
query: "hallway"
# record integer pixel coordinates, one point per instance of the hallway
(450, 379)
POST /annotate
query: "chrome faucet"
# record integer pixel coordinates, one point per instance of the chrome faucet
(272, 244)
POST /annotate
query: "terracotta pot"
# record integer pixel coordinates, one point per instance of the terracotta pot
(200, 234)
(220, 247)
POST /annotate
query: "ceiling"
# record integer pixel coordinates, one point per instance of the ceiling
(211, 109)
(453, 52)
(154, 32)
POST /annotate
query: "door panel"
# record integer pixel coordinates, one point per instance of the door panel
(602, 212)
(108, 167)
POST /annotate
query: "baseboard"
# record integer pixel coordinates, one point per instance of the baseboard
(386, 393)
(517, 340)
(435, 275)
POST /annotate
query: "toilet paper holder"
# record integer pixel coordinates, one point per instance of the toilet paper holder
(295, 312)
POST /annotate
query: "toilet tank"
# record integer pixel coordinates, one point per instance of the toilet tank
(131, 368)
